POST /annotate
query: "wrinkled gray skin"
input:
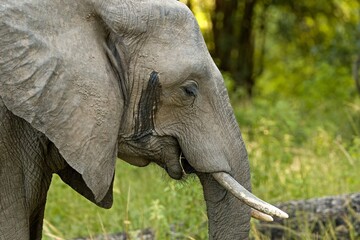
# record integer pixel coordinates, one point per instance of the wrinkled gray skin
(82, 83)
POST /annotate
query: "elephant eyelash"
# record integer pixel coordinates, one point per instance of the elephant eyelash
(191, 89)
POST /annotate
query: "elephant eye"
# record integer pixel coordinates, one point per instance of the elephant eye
(191, 89)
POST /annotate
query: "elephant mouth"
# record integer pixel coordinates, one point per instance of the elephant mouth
(179, 169)
(165, 151)
(185, 165)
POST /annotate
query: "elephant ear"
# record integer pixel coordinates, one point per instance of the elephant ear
(74, 179)
(59, 80)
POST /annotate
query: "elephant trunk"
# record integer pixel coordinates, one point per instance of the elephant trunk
(230, 203)
(229, 218)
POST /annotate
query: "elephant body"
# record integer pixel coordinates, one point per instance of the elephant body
(28, 161)
(85, 82)
(24, 177)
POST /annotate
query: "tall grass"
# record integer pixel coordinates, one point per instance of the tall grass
(295, 153)
(300, 153)
(143, 197)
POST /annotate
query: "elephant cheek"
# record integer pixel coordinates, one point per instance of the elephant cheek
(129, 156)
(138, 162)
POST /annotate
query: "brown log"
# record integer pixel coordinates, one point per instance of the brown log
(146, 234)
(335, 217)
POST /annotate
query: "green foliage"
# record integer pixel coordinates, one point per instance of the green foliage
(296, 153)
(312, 82)
(143, 197)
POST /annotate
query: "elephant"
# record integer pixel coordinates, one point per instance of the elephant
(85, 82)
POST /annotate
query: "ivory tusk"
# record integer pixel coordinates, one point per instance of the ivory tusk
(230, 184)
(261, 216)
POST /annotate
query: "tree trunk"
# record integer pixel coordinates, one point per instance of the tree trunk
(339, 216)
(245, 62)
(225, 24)
(356, 73)
(232, 23)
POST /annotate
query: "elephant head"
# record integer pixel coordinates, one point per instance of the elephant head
(132, 79)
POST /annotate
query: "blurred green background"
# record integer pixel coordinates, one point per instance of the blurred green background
(292, 70)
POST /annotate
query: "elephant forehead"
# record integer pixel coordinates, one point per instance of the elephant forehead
(177, 62)
(179, 58)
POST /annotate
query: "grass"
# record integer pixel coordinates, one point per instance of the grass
(295, 152)
(143, 197)
(305, 154)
